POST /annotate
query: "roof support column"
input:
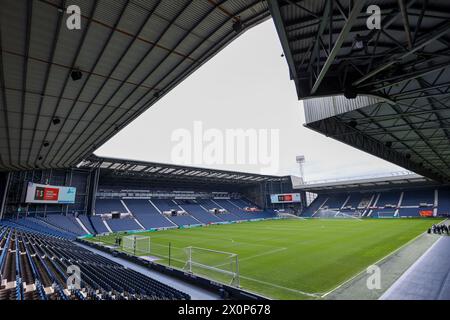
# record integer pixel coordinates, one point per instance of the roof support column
(5, 178)
(278, 21)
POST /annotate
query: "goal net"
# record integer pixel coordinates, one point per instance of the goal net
(212, 264)
(349, 214)
(326, 213)
(386, 214)
(286, 215)
(136, 245)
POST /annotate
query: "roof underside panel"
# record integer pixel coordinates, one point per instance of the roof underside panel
(331, 52)
(130, 54)
(113, 167)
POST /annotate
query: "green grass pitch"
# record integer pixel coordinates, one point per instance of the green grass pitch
(290, 259)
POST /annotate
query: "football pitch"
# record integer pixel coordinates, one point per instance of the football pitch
(289, 259)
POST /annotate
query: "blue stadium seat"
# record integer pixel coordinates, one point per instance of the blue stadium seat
(443, 207)
(416, 197)
(168, 205)
(199, 212)
(108, 206)
(313, 206)
(29, 257)
(147, 214)
(124, 224)
(98, 224)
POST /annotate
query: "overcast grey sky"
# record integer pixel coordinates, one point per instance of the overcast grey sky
(245, 86)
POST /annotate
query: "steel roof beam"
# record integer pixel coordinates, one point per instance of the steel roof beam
(376, 131)
(314, 50)
(5, 113)
(346, 45)
(304, 9)
(427, 40)
(406, 77)
(282, 34)
(105, 80)
(430, 98)
(420, 90)
(25, 74)
(313, 35)
(390, 11)
(333, 127)
(60, 97)
(419, 20)
(356, 10)
(405, 19)
(115, 28)
(427, 96)
(396, 139)
(419, 134)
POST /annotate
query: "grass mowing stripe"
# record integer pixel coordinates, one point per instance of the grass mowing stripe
(313, 295)
(377, 262)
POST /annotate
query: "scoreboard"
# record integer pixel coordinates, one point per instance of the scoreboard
(42, 193)
(285, 198)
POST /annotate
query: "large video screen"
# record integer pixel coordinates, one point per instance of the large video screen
(285, 198)
(42, 193)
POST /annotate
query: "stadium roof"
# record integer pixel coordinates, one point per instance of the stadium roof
(393, 180)
(161, 171)
(130, 54)
(400, 74)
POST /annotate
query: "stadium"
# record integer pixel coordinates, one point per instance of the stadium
(78, 226)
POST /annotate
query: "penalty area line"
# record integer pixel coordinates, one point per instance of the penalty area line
(281, 287)
(253, 256)
(263, 254)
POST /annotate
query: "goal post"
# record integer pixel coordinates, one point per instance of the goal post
(285, 215)
(216, 265)
(386, 214)
(350, 215)
(136, 245)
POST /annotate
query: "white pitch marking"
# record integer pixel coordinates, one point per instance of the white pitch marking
(377, 262)
(281, 287)
(262, 254)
